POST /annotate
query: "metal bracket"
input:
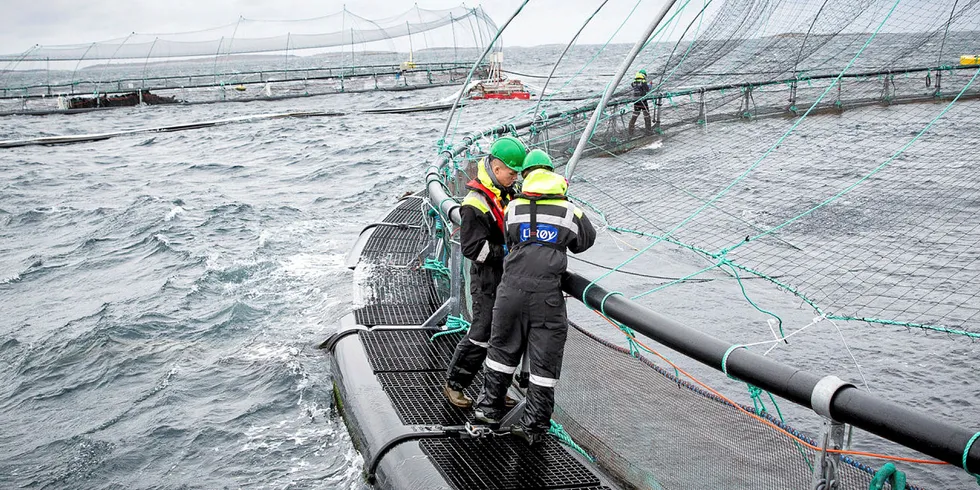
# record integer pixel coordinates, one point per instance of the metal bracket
(513, 416)
(702, 108)
(823, 393)
(456, 279)
(439, 315)
(658, 105)
(746, 104)
(825, 472)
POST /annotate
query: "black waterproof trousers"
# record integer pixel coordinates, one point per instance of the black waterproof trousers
(638, 107)
(472, 349)
(535, 320)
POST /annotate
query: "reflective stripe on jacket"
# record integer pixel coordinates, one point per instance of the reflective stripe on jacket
(482, 214)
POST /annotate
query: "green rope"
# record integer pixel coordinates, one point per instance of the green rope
(934, 328)
(888, 474)
(437, 267)
(630, 334)
(675, 281)
(559, 432)
(724, 359)
(454, 324)
(742, 287)
(966, 453)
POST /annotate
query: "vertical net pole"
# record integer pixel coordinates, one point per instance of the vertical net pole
(285, 65)
(939, 60)
(425, 40)
(469, 19)
(214, 69)
(452, 26)
(343, 28)
(411, 50)
(105, 68)
(146, 63)
(587, 133)
(230, 42)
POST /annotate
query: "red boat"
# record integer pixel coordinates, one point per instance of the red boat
(496, 86)
(504, 89)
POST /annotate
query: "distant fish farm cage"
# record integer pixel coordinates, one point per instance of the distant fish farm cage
(250, 60)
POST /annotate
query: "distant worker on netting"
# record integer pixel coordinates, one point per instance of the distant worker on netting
(542, 225)
(640, 89)
(482, 240)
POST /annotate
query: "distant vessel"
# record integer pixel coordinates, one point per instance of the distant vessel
(497, 86)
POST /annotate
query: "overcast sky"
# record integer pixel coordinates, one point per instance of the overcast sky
(54, 22)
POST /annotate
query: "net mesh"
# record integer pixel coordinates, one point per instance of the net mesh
(342, 52)
(818, 146)
(680, 436)
(815, 144)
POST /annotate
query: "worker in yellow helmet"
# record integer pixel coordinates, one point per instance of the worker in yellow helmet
(640, 89)
(542, 226)
(482, 241)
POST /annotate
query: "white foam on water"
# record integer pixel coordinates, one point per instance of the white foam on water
(313, 266)
(173, 213)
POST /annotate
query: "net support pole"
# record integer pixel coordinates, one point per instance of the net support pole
(448, 208)
(587, 134)
(827, 396)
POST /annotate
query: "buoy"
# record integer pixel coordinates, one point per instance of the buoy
(240, 88)
(970, 60)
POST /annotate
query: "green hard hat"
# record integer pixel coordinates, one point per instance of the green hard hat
(641, 74)
(537, 158)
(509, 150)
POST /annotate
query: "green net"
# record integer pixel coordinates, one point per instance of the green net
(820, 149)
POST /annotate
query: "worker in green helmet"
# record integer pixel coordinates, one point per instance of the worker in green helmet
(640, 89)
(482, 241)
(542, 226)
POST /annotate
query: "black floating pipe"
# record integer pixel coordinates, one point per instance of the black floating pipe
(850, 405)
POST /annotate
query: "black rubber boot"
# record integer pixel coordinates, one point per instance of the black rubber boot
(537, 410)
(491, 401)
(530, 437)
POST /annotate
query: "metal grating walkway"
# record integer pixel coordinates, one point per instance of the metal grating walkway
(506, 463)
(408, 350)
(386, 314)
(399, 245)
(418, 399)
(411, 369)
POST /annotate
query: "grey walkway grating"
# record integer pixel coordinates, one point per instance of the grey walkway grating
(408, 350)
(418, 399)
(507, 463)
(385, 314)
